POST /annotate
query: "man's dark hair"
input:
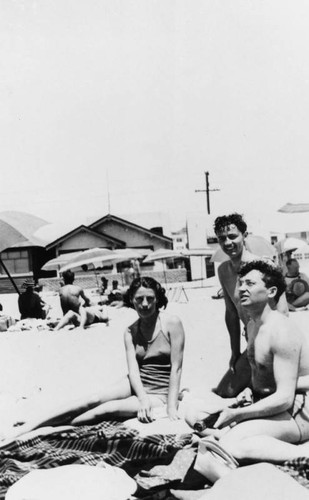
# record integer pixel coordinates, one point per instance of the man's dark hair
(68, 277)
(146, 282)
(222, 222)
(272, 275)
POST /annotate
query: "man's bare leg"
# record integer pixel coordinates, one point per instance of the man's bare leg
(271, 440)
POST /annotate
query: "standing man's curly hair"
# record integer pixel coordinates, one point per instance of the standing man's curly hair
(222, 222)
(146, 282)
(272, 275)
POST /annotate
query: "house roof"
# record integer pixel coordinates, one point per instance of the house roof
(131, 225)
(111, 239)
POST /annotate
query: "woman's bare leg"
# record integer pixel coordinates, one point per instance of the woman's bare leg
(127, 407)
(69, 317)
(65, 413)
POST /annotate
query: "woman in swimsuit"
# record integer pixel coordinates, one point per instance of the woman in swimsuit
(154, 349)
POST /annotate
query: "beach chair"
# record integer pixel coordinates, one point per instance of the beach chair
(174, 294)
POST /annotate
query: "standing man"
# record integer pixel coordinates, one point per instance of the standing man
(278, 354)
(231, 231)
(70, 294)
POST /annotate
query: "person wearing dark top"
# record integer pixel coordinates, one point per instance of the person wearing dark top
(115, 295)
(30, 303)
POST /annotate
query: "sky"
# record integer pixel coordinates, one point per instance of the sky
(121, 106)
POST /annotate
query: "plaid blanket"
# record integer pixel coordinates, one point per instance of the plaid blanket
(298, 469)
(109, 442)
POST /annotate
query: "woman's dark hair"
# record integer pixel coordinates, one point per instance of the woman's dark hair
(272, 275)
(222, 222)
(146, 282)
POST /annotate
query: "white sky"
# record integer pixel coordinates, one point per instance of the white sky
(150, 94)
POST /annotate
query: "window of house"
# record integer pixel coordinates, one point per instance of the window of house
(16, 261)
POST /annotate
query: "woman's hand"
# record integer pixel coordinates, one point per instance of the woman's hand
(172, 413)
(144, 413)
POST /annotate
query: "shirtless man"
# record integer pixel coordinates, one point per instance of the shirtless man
(70, 294)
(231, 231)
(279, 358)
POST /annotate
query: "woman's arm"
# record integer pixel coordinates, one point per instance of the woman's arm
(145, 413)
(177, 339)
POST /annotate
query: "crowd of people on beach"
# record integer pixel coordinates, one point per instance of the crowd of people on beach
(274, 366)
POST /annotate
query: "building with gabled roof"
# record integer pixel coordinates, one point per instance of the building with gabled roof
(110, 232)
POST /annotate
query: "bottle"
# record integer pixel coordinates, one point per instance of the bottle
(207, 422)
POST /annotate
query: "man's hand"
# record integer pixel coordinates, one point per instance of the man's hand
(228, 416)
(144, 413)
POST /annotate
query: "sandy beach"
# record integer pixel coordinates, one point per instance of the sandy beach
(49, 367)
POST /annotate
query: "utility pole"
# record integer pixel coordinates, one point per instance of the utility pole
(207, 191)
(108, 193)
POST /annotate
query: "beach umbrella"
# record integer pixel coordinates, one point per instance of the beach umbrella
(198, 252)
(93, 256)
(124, 254)
(18, 228)
(100, 257)
(56, 263)
(289, 245)
(164, 254)
(258, 245)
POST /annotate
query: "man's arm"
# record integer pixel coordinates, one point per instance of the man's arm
(84, 297)
(285, 348)
(232, 321)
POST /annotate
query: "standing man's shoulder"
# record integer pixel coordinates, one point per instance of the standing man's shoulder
(224, 269)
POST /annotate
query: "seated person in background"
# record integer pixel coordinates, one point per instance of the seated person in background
(70, 294)
(30, 303)
(115, 296)
(86, 316)
(297, 292)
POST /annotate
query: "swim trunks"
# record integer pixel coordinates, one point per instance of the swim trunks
(300, 413)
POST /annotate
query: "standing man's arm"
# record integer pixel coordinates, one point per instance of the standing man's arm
(232, 322)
